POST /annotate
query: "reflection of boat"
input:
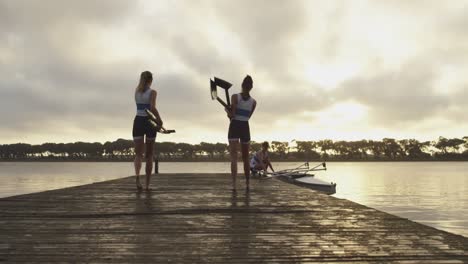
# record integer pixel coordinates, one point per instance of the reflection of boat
(301, 176)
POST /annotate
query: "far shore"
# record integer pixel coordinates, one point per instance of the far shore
(224, 161)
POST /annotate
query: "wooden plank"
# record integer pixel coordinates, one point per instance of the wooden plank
(196, 218)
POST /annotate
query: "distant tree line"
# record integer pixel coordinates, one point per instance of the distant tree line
(388, 149)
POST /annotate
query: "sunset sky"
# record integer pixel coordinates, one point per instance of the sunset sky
(322, 69)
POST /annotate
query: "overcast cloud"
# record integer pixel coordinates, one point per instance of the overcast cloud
(321, 69)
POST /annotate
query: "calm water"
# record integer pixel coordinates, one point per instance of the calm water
(434, 194)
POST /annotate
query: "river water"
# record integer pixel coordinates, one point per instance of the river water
(431, 193)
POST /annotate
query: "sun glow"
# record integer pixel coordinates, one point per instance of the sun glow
(330, 76)
(449, 80)
(340, 113)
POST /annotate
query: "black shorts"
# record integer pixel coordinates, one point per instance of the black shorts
(142, 127)
(239, 130)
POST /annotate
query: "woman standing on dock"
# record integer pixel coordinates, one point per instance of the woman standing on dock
(145, 98)
(243, 106)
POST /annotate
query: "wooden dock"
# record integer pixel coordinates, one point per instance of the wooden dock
(196, 218)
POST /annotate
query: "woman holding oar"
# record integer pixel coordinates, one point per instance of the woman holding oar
(145, 98)
(243, 106)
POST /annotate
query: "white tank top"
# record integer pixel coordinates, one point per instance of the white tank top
(256, 158)
(143, 101)
(244, 108)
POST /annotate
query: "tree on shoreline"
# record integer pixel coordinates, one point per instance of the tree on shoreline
(387, 149)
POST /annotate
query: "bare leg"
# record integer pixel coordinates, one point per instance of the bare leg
(139, 144)
(233, 146)
(245, 159)
(149, 161)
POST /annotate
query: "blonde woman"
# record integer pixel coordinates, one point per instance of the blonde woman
(143, 132)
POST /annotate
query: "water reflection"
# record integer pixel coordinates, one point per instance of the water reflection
(28, 177)
(435, 194)
(241, 223)
(145, 201)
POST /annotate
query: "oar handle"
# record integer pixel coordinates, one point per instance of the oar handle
(228, 100)
(222, 102)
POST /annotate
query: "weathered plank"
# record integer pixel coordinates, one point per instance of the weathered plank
(196, 218)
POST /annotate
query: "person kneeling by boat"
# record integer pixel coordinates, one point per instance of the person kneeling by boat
(261, 160)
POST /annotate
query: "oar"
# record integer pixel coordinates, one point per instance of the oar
(161, 129)
(323, 164)
(217, 82)
(154, 123)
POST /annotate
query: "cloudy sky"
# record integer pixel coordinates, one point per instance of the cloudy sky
(322, 69)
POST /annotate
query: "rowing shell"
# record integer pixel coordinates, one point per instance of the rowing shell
(302, 176)
(316, 184)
